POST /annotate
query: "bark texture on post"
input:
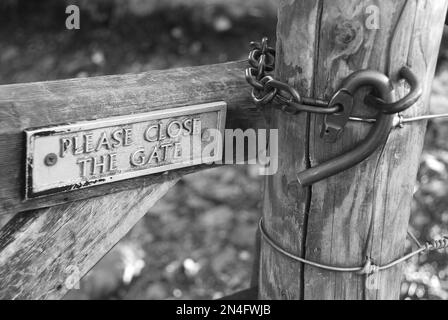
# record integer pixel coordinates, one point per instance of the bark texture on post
(364, 211)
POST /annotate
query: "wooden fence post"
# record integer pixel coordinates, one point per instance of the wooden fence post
(318, 44)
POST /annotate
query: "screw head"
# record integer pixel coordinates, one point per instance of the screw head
(50, 159)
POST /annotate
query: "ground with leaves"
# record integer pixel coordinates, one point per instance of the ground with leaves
(197, 242)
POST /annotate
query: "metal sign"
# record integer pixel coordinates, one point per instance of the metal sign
(79, 155)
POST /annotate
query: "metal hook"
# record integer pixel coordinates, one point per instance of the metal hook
(376, 136)
(405, 102)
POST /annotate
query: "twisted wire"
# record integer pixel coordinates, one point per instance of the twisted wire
(368, 268)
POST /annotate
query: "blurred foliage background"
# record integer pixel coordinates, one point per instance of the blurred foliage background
(197, 242)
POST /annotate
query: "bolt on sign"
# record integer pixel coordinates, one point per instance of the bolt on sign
(75, 156)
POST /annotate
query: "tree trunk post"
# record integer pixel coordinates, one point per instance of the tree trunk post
(364, 211)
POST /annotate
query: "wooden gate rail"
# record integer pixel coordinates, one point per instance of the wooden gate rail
(41, 248)
(39, 104)
(44, 252)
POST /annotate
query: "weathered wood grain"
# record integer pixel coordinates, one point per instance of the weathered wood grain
(48, 103)
(285, 203)
(363, 211)
(44, 252)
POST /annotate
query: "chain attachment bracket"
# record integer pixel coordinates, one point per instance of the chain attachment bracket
(333, 124)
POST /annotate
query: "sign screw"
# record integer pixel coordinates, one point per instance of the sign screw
(50, 159)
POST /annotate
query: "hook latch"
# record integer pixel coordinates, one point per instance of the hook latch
(377, 136)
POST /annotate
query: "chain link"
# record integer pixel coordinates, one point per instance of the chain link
(266, 89)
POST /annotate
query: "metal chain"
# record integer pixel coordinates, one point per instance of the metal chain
(368, 268)
(266, 89)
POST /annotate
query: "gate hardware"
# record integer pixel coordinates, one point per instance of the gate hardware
(375, 138)
(337, 111)
(405, 102)
(50, 159)
(333, 125)
(294, 104)
(266, 88)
